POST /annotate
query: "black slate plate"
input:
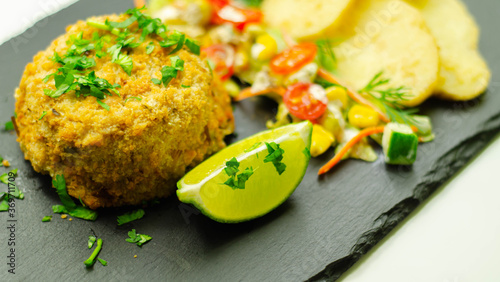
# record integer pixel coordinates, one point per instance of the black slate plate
(317, 234)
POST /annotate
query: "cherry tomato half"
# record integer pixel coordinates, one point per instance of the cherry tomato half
(301, 103)
(222, 58)
(226, 12)
(294, 58)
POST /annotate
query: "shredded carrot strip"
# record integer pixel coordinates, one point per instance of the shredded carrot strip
(289, 41)
(353, 94)
(139, 3)
(247, 92)
(338, 157)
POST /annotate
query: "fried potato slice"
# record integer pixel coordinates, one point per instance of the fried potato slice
(305, 19)
(463, 73)
(389, 36)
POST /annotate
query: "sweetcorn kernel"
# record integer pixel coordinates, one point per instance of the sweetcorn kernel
(337, 93)
(362, 116)
(321, 140)
(265, 47)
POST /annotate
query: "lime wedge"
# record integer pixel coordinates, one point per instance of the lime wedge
(265, 189)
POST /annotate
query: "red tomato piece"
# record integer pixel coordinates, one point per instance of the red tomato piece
(301, 103)
(222, 58)
(225, 12)
(294, 58)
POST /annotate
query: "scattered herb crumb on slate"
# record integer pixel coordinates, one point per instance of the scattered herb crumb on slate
(130, 216)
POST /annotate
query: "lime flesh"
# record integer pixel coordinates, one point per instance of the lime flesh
(264, 191)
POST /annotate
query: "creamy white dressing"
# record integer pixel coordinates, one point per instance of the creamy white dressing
(306, 74)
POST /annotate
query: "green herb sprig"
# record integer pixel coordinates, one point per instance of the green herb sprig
(91, 241)
(12, 190)
(137, 238)
(9, 126)
(130, 216)
(389, 100)
(47, 218)
(170, 72)
(92, 259)
(275, 156)
(43, 114)
(68, 206)
(237, 181)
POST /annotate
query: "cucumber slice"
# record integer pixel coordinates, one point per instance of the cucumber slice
(399, 144)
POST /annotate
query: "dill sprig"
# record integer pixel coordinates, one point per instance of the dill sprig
(391, 96)
(389, 100)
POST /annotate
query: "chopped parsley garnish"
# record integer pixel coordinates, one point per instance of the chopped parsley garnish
(75, 74)
(132, 97)
(177, 63)
(43, 114)
(254, 146)
(275, 156)
(76, 62)
(232, 167)
(123, 41)
(130, 216)
(147, 24)
(4, 202)
(137, 238)
(103, 262)
(91, 241)
(150, 48)
(307, 152)
(175, 38)
(167, 74)
(9, 126)
(68, 78)
(236, 181)
(170, 72)
(12, 189)
(185, 86)
(104, 105)
(69, 206)
(125, 62)
(4, 178)
(78, 45)
(91, 260)
(193, 46)
(99, 44)
(47, 218)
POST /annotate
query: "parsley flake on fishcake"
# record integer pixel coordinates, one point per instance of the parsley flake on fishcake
(117, 137)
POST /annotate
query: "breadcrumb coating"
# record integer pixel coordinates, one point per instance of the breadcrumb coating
(139, 149)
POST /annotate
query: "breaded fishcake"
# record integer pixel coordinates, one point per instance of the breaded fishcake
(139, 149)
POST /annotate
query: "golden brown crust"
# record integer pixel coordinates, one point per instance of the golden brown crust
(137, 150)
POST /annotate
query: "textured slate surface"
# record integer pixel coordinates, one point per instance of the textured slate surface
(326, 225)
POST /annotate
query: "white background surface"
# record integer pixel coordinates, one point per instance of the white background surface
(454, 237)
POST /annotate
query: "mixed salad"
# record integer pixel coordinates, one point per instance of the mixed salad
(300, 76)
